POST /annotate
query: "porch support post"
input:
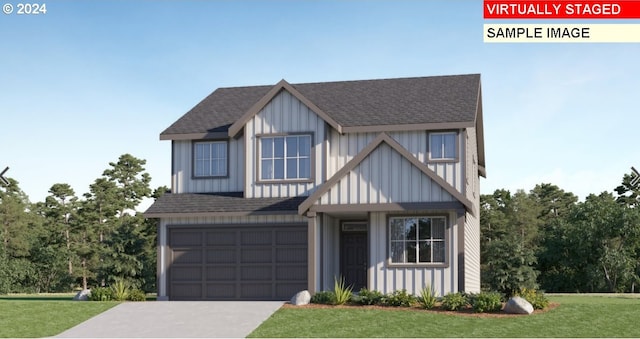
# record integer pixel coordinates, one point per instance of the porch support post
(460, 222)
(312, 261)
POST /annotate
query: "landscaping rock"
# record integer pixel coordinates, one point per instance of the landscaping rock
(301, 298)
(82, 295)
(518, 305)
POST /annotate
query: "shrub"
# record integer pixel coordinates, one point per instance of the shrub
(100, 294)
(120, 290)
(486, 302)
(454, 301)
(137, 295)
(343, 293)
(366, 297)
(324, 297)
(536, 298)
(399, 298)
(427, 298)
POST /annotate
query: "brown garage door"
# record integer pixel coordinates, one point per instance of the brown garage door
(237, 263)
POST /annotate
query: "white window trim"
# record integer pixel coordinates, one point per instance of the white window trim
(445, 240)
(211, 159)
(259, 159)
(455, 147)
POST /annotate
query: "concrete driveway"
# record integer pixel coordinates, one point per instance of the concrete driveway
(176, 319)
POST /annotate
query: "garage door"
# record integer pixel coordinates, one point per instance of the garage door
(237, 263)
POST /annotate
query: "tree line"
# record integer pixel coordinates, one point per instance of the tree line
(546, 239)
(69, 241)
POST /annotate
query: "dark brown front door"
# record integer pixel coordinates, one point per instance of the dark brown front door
(354, 259)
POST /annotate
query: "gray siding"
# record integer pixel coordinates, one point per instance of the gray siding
(182, 180)
(284, 114)
(385, 176)
(386, 278)
(471, 254)
(330, 253)
(343, 148)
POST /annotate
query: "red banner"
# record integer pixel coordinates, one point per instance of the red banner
(519, 9)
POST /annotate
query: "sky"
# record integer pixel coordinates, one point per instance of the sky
(91, 80)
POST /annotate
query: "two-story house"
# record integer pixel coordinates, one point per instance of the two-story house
(277, 189)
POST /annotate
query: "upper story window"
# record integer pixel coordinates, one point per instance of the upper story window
(285, 157)
(443, 146)
(417, 240)
(210, 159)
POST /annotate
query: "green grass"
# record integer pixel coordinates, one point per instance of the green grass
(577, 316)
(29, 316)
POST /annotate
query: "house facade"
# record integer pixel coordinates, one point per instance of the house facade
(277, 189)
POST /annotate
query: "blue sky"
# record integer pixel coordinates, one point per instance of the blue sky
(91, 80)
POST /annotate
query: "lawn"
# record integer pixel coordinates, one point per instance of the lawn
(576, 316)
(29, 316)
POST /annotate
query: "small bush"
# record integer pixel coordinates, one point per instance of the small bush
(343, 293)
(137, 295)
(454, 301)
(427, 298)
(486, 302)
(399, 298)
(324, 297)
(100, 294)
(120, 290)
(366, 297)
(537, 299)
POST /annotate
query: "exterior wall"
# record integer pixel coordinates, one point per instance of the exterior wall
(330, 251)
(472, 223)
(163, 250)
(385, 176)
(284, 114)
(343, 148)
(386, 278)
(182, 180)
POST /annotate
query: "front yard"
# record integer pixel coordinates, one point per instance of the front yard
(32, 316)
(576, 316)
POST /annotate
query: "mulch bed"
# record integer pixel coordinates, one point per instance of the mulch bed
(468, 312)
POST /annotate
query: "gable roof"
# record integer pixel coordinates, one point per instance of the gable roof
(349, 106)
(366, 151)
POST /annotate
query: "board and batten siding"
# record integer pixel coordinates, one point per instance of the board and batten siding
(342, 148)
(213, 221)
(284, 114)
(385, 176)
(182, 180)
(387, 278)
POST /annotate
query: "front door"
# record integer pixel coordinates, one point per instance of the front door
(353, 255)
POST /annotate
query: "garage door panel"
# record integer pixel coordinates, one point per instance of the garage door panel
(185, 239)
(187, 273)
(221, 256)
(291, 273)
(256, 237)
(221, 238)
(187, 256)
(221, 291)
(291, 255)
(256, 255)
(285, 237)
(253, 262)
(224, 273)
(256, 273)
(191, 291)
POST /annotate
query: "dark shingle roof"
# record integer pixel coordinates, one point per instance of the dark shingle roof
(232, 202)
(403, 101)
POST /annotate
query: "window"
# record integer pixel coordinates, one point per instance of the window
(419, 240)
(285, 157)
(442, 146)
(210, 159)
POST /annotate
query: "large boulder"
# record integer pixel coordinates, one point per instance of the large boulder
(518, 305)
(82, 295)
(301, 298)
